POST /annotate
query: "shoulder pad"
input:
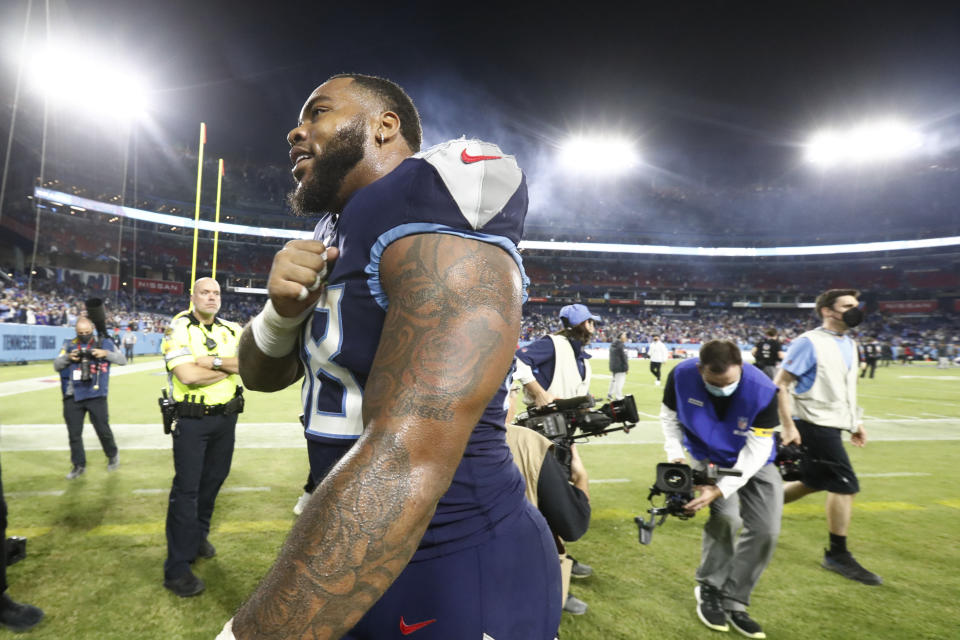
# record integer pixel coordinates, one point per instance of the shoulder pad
(479, 176)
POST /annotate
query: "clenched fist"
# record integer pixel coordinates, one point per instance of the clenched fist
(297, 275)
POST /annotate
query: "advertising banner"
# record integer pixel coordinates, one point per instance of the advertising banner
(159, 286)
(908, 306)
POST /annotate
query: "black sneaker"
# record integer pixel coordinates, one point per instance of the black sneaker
(186, 585)
(113, 463)
(745, 625)
(206, 550)
(18, 617)
(76, 472)
(710, 607)
(845, 564)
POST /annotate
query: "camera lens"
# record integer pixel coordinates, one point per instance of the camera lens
(673, 479)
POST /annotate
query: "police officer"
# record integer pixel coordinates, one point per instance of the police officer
(200, 351)
(723, 411)
(84, 366)
(768, 353)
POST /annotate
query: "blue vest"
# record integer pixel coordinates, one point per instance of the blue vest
(705, 435)
(99, 373)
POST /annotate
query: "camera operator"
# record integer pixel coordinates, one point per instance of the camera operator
(723, 412)
(556, 366)
(820, 374)
(84, 366)
(564, 500)
(619, 365)
(200, 351)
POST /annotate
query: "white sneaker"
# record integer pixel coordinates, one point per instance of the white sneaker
(657, 383)
(301, 503)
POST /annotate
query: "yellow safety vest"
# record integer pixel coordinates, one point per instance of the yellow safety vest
(187, 339)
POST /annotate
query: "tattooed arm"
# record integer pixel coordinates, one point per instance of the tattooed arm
(448, 339)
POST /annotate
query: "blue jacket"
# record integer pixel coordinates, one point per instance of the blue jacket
(70, 376)
(705, 435)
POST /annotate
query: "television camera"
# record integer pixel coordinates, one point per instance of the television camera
(561, 420)
(676, 482)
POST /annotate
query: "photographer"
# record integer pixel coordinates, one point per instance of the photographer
(556, 366)
(723, 412)
(564, 500)
(84, 366)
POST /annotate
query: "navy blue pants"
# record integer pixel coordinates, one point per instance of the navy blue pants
(202, 453)
(507, 588)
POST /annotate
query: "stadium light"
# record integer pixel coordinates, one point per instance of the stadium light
(602, 155)
(878, 141)
(88, 80)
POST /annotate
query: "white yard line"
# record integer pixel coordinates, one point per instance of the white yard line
(52, 381)
(894, 474)
(927, 402)
(223, 490)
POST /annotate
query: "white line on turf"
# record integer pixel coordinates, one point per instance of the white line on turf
(611, 480)
(223, 490)
(14, 387)
(30, 494)
(894, 474)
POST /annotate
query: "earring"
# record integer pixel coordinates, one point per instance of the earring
(381, 138)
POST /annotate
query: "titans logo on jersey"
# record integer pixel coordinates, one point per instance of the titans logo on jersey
(467, 188)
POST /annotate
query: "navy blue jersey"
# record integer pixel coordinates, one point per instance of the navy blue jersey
(462, 187)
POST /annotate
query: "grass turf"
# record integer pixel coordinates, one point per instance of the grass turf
(95, 552)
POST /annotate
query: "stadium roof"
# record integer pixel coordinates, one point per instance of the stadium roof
(713, 93)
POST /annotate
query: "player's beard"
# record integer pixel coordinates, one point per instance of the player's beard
(318, 193)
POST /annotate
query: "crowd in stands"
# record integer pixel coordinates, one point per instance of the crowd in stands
(60, 303)
(746, 326)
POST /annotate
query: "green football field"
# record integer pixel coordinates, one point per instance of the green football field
(96, 545)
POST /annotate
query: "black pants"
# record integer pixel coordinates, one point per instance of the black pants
(3, 540)
(128, 350)
(202, 453)
(871, 366)
(655, 368)
(73, 414)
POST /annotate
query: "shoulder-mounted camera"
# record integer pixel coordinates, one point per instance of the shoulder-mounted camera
(566, 421)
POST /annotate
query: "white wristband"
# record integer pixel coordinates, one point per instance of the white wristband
(275, 334)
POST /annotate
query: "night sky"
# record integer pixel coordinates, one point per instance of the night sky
(714, 92)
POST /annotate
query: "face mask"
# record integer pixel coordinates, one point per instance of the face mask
(84, 337)
(721, 392)
(852, 317)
